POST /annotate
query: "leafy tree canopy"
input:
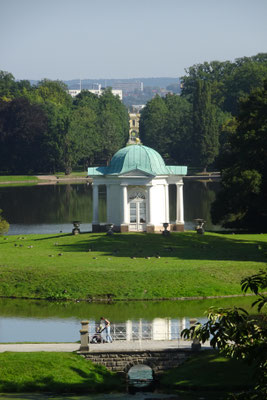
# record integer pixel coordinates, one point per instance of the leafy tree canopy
(243, 200)
(229, 80)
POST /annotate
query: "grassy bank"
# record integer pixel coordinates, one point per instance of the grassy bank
(27, 180)
(129, 266)
(11, 179)
(70, 373)
(54, 372)
(17, 178)
(209, 371)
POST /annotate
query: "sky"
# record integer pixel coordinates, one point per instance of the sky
(79, 39)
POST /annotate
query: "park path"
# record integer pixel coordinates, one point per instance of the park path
(137, 345)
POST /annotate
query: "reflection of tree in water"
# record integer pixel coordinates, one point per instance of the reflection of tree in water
(198, 197)
(66, 203)
(47, 204)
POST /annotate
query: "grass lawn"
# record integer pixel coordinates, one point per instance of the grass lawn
(18, 178)
(54, 372)
(125, 266)
(26, 180)
(70, 373)
(208, 370)
(74, 174)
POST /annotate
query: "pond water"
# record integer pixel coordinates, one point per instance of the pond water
(52, 208)
(47, 321)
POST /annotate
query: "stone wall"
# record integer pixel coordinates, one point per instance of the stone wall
(158, 361)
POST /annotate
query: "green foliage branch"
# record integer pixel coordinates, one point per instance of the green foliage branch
(236, 334)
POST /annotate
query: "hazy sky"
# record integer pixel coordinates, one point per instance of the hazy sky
(68, 39)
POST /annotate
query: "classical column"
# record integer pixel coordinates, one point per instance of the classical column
(108, 205)
(149, 205)
(95, 204)
(179, 203)
(124, 205)
(167, 214)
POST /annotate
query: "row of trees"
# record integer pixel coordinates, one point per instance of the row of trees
(220, 120)
(43, 130)
(192, 129)
(243, 161)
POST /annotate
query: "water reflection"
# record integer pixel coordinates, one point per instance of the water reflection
(52, 208)
(37, 321)
(133, 330)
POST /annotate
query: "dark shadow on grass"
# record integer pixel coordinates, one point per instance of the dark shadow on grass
(185, 246)
(208, 370)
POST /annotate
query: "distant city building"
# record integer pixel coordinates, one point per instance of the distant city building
(97, 90)
(129, 87)
(138, 107)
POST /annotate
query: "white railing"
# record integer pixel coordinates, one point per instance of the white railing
(158, 329)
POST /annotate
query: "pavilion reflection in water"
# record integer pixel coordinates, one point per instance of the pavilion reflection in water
(141, 329)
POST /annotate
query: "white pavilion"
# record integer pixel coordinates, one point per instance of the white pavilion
(137, 191)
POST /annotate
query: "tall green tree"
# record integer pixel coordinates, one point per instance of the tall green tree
(152, 126)
(55, 144)
(22, 126)
(57, 147)
(7, 84)
(113, 123)
(205, 126)
(84, 135)
(178, 129)
(166, 125)
(243, 201)
(229, 80)
(55, 92)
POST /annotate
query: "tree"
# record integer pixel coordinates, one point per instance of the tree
(242, 203)
(229, 80)
(22, 126)
(152, 126)
(4, 225)
(113, 123)
(178, 129)
(238, 335)
(84, 135)
(7, 83)
(55, 92)
(166, 126)
(205, 126)
(56, 149)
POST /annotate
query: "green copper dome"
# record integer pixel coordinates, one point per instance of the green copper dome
(137, 157)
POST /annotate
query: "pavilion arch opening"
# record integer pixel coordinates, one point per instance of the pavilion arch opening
(137, 199)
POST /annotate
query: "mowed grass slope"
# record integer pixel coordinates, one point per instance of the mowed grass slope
(128, 266)
(54, 372)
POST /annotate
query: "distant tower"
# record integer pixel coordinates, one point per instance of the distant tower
(134, 128)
